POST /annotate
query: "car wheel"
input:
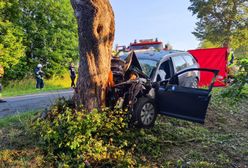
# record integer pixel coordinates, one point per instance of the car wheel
(145, 113)
(194, 83)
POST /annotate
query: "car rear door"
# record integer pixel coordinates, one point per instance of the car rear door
(184, 102)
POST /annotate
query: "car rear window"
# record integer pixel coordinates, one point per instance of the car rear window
(189, 59)
(179, 63)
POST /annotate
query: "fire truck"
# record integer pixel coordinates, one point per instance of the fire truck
(143, 44)
(146, 44)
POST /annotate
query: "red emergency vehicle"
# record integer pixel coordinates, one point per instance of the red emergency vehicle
(146, 44)
(143, 44)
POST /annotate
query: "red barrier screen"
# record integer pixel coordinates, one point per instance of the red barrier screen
(212, 58)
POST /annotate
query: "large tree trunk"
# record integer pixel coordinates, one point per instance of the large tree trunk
(96, 29)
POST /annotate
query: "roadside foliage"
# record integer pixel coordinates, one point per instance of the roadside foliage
(76, 137)
(63, 139)
(11, 40)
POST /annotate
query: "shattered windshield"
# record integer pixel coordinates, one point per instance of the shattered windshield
(147, 66)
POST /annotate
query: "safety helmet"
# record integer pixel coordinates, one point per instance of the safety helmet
(39, 66)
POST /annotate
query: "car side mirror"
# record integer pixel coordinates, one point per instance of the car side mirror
(164, 82)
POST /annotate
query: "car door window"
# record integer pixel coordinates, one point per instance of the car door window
(164, 71)
(192, 79)
(189, 79)
(179, 63)
(189, 59)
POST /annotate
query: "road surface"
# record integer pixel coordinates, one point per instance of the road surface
(35, 102)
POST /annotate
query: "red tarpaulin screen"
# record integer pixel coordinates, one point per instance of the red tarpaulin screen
(212, 58)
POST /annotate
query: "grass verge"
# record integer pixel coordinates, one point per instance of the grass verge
(9, 120)
(18, 145)
(221, 142)
(27, 86)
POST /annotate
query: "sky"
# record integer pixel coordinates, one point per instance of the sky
(168, 20)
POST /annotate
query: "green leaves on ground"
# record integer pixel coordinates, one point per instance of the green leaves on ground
(75, 137)
(104, 141)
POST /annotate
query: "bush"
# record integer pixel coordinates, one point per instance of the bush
(239, 88)
(75, 137)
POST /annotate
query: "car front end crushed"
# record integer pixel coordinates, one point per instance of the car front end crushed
(131, 84)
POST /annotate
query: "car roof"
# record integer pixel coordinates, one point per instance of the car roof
(153, 54)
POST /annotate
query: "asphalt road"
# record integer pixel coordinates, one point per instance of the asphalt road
(35, 102)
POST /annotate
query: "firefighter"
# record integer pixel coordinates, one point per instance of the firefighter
(230, 54)
(72, 75)
(232, 68)
(230, 57)
(1, 87)
(39, 74)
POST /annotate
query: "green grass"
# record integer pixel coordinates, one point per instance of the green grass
(22, 117)
(18, 144)
(27, 86)
(220, 142)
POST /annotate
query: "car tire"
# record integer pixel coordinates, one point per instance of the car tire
(194, 83)
(145, 113)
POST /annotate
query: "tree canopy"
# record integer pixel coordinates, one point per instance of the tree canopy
(40, 31)
(11, 38)
(221, 21)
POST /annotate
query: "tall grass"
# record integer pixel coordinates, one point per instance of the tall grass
(22, 117)
(28, 86)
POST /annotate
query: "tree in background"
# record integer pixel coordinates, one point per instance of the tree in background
(208, 44)
(11, 38)
(49, 35)
(225, 22)
(96, 30)
(221, 21)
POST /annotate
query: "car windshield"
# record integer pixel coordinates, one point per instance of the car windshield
(147, 66)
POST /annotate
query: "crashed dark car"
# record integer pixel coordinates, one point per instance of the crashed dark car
(151, 82)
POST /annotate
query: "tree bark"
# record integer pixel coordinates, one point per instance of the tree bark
(96, 29)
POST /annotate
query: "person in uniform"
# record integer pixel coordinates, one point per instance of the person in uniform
(39, 74)
(72, 75)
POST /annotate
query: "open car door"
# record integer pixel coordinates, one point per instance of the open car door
(185, 102)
